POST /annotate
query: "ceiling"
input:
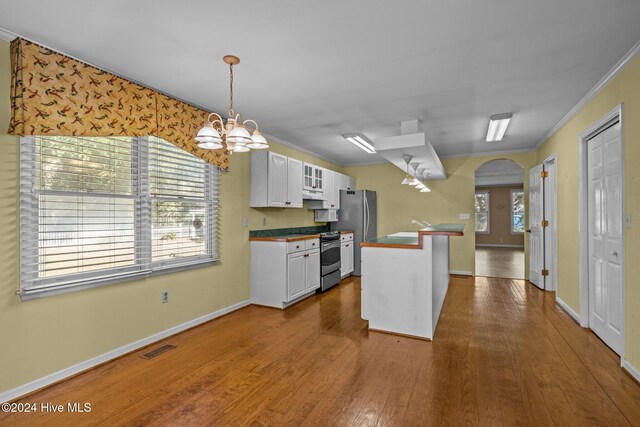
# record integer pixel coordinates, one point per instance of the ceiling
(499, 172)
(312, 71)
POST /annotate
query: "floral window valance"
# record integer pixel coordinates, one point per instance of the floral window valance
(53, 94)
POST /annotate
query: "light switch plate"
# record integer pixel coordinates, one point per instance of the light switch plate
(464, 216)
(245, 222)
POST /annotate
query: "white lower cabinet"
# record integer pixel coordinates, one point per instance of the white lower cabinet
(296, 275)
(303, 273)
(346, 255)
(282, 272)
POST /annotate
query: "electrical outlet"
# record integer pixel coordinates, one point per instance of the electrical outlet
(264, 220)
(245, 222)
(464, 216)
(165, 297)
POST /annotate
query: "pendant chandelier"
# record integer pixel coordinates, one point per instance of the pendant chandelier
(233, 134)
(416, 181)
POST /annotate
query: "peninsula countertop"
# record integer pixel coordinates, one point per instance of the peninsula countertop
(415, 242)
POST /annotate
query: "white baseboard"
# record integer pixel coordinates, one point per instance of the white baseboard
(112, 354)
(624, 363)
(491, 245)
(568, 310)
(461, 273)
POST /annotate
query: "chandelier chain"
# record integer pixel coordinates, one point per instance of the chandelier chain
(231, 90)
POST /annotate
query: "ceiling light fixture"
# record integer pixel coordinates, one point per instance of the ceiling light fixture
(360, 141)
(421, 186)
(415, 180)
(407, 179)
(233, 133)
(498, 126)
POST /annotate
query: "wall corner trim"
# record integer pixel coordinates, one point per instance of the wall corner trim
(7, 35)
(460, 273)
(612, 74)
(563, 305)
(112, 354)
(627, 366)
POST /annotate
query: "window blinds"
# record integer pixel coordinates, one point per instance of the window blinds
(102, 209)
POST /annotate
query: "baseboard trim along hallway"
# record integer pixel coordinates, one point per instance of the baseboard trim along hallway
(563, 305)
(631, 370)
(117, 352)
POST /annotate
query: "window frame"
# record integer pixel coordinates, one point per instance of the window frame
(487, 212)
(143, 266)
(514, 190)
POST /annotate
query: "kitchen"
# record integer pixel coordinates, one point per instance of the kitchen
(291, 264)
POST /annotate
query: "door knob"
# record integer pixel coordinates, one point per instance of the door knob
(614, 253)
(529, 231)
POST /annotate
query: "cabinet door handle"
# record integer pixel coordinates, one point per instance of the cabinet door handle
(297, 246)
(347, 245)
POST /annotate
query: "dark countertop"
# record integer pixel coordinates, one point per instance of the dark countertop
(289, 237)
(416, 242)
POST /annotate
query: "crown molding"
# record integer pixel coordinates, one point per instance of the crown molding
(298, 148)
(7, 35)
(612, 74)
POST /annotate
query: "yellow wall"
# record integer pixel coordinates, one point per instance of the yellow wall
(45, 335)
(625, 88)
(399, 204)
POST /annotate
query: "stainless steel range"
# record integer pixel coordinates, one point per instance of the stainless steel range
(329, 260)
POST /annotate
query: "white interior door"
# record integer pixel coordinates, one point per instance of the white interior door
(536, 231)
(550, 232)
(604, 174)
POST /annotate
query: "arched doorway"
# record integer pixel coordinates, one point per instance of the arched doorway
(500, 219)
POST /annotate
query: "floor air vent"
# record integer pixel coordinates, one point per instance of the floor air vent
(158, 351)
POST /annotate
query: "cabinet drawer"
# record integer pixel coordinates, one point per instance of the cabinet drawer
(312, 244)
(346, 237)
(296, 246)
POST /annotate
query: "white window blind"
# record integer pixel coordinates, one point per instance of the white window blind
(483, 211)
(104, 209)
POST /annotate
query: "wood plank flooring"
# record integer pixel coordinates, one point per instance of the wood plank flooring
(504, 354)
(507, 263)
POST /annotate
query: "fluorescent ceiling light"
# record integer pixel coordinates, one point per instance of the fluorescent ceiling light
(498, 126)
(360, 141)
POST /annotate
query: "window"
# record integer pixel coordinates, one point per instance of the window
(482, 211)
(517, 211)
(96, 210)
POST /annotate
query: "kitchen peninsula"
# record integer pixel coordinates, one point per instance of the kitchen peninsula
(405, 277)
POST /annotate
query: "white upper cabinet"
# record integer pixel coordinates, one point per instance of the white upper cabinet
(313, 182)
(294, 183)
(283, 182)
(347, 182)
(308, 177)
(276, 181)
(334, 195)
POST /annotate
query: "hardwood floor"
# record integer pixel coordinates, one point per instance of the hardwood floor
(504, 354)
(507, 263)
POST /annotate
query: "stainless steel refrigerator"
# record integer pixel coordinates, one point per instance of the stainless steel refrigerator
(358, 212)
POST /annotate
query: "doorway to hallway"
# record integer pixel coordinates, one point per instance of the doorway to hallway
(499, 220)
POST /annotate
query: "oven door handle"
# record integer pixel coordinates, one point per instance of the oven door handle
(330, 245)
